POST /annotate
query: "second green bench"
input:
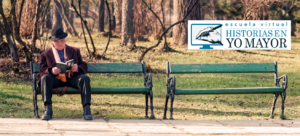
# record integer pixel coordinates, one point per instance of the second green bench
(173, 90)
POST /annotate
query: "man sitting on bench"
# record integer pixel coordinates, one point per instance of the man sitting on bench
(51, 76)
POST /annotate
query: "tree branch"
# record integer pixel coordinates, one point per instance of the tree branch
(21, 8)
(109, 35)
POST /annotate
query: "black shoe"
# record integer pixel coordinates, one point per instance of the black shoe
(48, 112)
(87, 113)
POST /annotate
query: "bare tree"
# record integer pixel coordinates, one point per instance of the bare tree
(57, 20)
(189, 8)
(12, 46)
(16, 33)
(161, 21)
(35, 23)
(84, 22)
(101, 16)
(127, 24)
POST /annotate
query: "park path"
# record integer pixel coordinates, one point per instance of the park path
(124, 127)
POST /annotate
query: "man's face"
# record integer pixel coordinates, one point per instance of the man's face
(59, 44)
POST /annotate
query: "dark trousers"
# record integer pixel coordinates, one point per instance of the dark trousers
(81, 82)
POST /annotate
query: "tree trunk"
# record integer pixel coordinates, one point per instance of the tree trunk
(117, 15)
(113, 24)
(35, 23)
(43, 17)
(1, 35)
(200, 10)
(16, 34)
(105, 17)
(49, 19)
(165, 47)
(71, 15)
(180, 31)
(27, 19)
(87, 10)
(216, 17)
(12, 46)
(57, 20)
(127, 24)
(177, 14)
(64, 16)
(101, 16)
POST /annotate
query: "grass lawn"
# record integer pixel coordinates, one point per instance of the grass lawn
(16, 98)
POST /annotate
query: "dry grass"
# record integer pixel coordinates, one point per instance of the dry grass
(16, 98)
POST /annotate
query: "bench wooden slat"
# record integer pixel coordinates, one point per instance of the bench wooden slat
(115, 68)
(107, 68)
(223, 68)
(106, 90)
(251, 90)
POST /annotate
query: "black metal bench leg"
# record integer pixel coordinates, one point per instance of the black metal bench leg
(283, 96)
(34, 95)
(171, 107)
(146, 108)
(273, 107)
(151, 105)
(35, 107)
(166, 106)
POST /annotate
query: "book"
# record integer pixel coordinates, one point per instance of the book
(65, 67)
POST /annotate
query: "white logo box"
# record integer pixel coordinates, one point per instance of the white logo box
(239, 34)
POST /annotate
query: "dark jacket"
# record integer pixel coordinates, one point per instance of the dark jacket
(47, 61)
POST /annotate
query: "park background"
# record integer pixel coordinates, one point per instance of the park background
(128, 31)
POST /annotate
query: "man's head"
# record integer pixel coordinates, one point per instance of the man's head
(58, 38)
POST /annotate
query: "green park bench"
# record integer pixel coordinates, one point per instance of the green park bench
(225, 68)
(105, 68)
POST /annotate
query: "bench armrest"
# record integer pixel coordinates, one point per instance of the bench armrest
(171, 82)
(284, 82)
(170, 78)
(34, 81)
(148, 80)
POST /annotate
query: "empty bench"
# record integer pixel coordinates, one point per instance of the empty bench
(173, 90)
(105, 68)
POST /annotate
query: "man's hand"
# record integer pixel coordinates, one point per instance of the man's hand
(74, 68)
(55, 70)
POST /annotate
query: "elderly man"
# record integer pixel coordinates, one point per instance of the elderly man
(52, 78)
